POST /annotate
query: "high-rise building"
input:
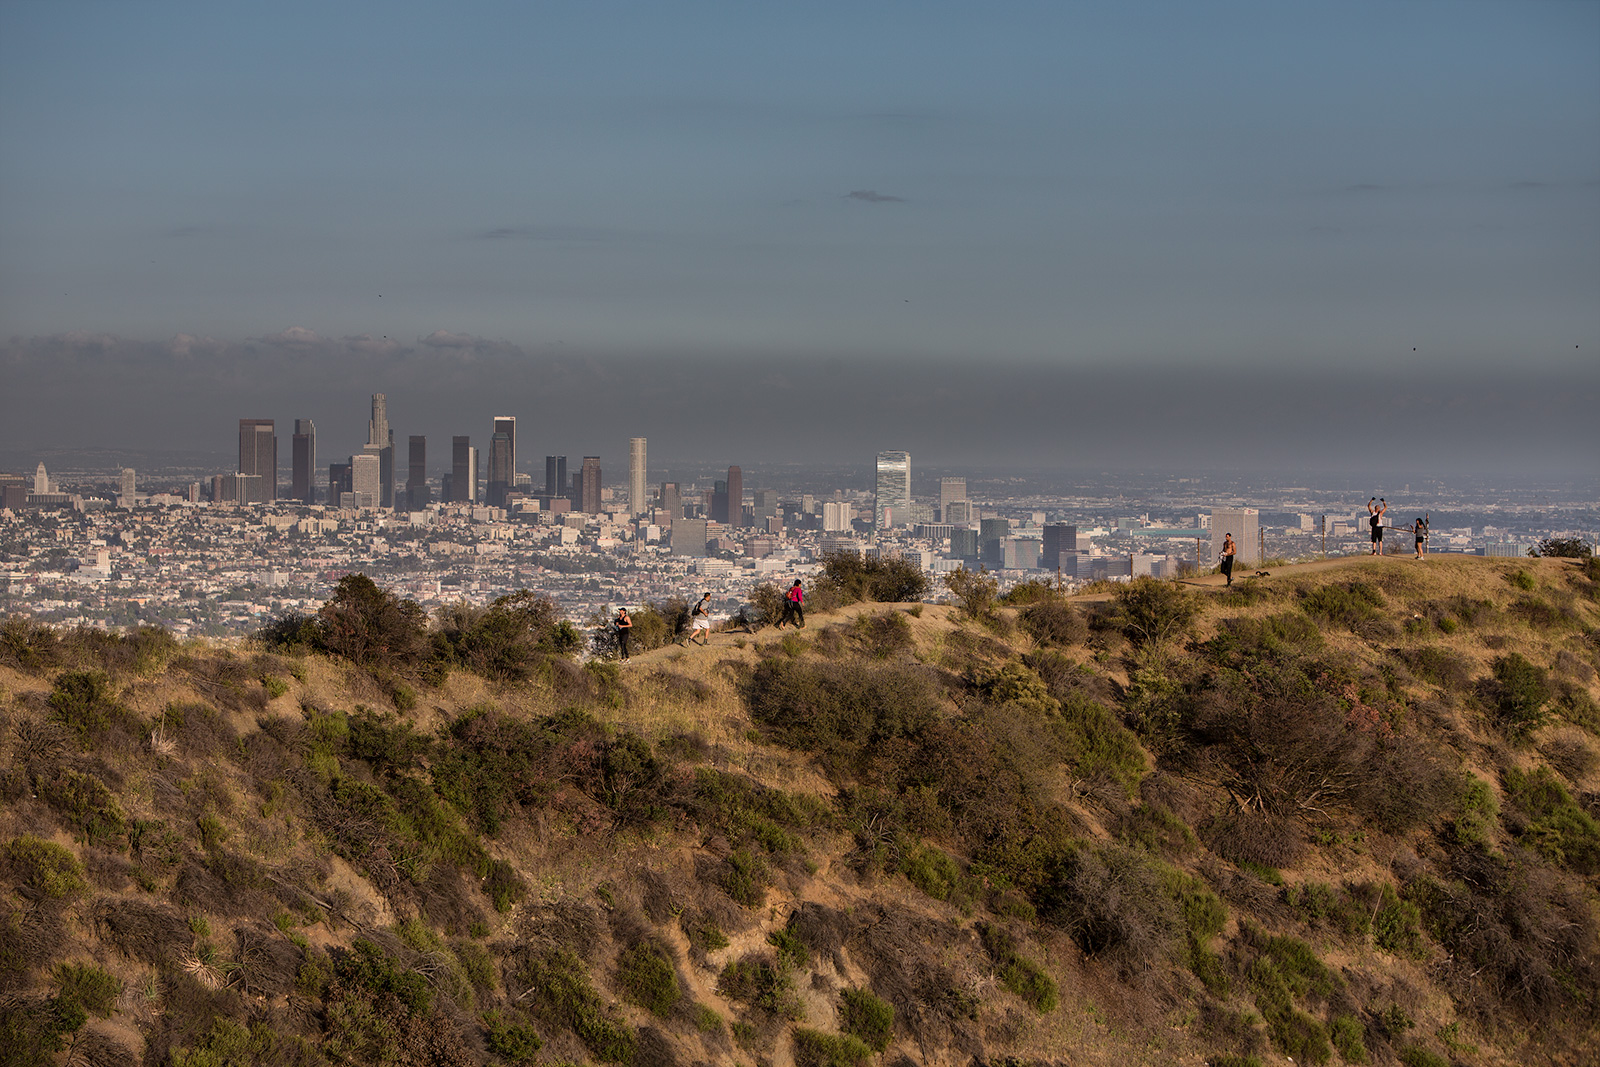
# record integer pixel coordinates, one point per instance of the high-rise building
(587, 499)
(636, 476)
(689, 537)
(126, 486)
(417, 475)
(735, 509)
(1059, 538)
(1245, 526)
(463, 471)
(555, 476)
(837, 516)
(671, 506)
(957, 512)
(366, 469)
(764, 508)
(303, 487)
(41, 477)
(339, 483)
(507, 424)
(991, 534)
(500, 470)
(964, 544)
(893, 506)
(380, 443)
(950, 491)
(258, 457)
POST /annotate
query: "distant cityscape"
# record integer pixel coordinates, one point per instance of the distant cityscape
(221, 555)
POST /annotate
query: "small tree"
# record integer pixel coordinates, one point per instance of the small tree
(1563, 547)
(1521, 689)
(370, 626)
(975, 590)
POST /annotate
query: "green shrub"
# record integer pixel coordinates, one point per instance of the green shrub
(89, 986)
(1477, 815)
(792, 951)
(87, 804)
(1522, 580)
(1521, 691)
(1397, 926)
(1557, 826)
(83, 702)
(883, 634)
(371, 627)
(837, 709)
(932, 871)
(1152, 612)
(745, 877)
(45, 867)
(516, 1042)
(1417, 1056)
(231, 1044)
(1347, 604)
(647, 977)
(565, 997)
(867, 1016)
(813, 1048)
(761, 983)
(1347, 1034)
(274, 685)
(1295, 1033)
(1234, 1059)
(1017, 972)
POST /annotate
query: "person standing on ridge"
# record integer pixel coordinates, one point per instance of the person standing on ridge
(1420, 532)
(623, 625)
(1375, 520)
(1229, 550)
(793, 609)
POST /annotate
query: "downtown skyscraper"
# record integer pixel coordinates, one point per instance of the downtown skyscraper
(380, 443)
(502, 460)
(258, 461)
(636, 476)
(893, 506)
(302, 487)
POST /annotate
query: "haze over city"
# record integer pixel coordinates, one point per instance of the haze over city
(1337, 237)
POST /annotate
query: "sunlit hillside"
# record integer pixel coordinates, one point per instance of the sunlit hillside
(1339, 814)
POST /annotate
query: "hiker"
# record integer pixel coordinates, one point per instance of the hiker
(623, 624)
(1375, 520)
(1228, 552)
(793, 606)
(700, 621)
(1421, 535)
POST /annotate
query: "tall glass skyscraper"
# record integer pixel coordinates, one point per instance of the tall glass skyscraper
(893, 507)
(637, 504)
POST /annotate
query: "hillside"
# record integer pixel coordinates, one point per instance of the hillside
(1345, 814)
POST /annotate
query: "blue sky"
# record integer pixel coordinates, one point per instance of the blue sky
(1199, 189)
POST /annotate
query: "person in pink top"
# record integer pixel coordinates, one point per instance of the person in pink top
(794, 606)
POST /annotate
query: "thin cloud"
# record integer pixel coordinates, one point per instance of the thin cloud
(545, 233)
(294, 337)
(872, 196)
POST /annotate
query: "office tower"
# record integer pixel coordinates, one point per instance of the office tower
(555, 476)
(764, 508)
(735, 515)
(991, 532)
(837, 516)
(587, 498)
(365, 480)
(380, 443)
(127, 486)
(636, 475)
(500, 470)
(417, 475)
(689, 537)
(463, 471)
(964, 544)
(957, 512)
(671, 506)
(1059, 538)
(302, 488)
(893, 506)
(950, 491)
(507, 424)
(339, 483)
(1245, 525)
(41, 479)
(258, 457)
(719, 502)
(378, 425)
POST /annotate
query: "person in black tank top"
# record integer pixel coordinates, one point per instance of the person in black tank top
(1375, 509)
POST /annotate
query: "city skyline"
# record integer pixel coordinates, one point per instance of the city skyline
(1022, 233)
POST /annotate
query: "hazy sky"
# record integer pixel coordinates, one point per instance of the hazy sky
(895, 225)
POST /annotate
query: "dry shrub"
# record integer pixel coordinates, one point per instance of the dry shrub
(1114, 904)
(1571, 755)
(904, 955)
(1053, 621)
(1573, 666)
(145, 932)
(1252, 837)
(882, 635)
(267, 962)
(1446, 669)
